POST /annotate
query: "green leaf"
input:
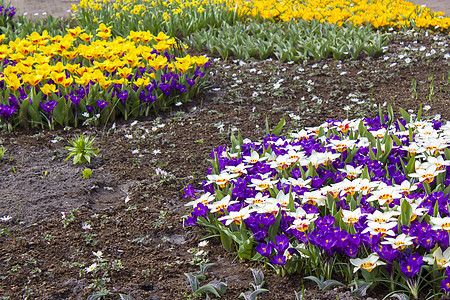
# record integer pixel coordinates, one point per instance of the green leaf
(279, 127)
(405, 115)
(207, 288)
(273, 229)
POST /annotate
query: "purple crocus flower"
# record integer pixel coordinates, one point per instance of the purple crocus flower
(281, 243)
(445, 284)
(200, 210)
(190, 191)
(278, 259)
(264, 249)
(411, 265)
(89, 108)
(123, 96)
(102, 104)
(49, 106)
(7, 111)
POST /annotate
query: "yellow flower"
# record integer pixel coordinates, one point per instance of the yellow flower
(104, 35)
(75, 32)
(158, 63)
(32, 79)
(49, 89)
(161, 46)
(12, 81)
(200, 9)
(142, 81)
(85, 37)
(124, 72)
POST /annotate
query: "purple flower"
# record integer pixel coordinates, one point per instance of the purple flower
(279, 259)
(7, 111)
(89, 108)
(49, 106)
(200, 210)
(264, 249)
(445, 284)
(123, 96)
(190, 191)
(281, 243)
(411, 265)
(102, 104)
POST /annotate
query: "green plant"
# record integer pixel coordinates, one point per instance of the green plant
(258, 276)
(215, 287)
(2, 151)
(87, 173)
(82, 149)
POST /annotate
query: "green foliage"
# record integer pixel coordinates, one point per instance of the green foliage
(324, 284)
(2, 151)
(289, 41)
(215, 287)
(82, 149)
(87, 173)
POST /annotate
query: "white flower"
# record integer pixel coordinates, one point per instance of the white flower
(440, 223)
(135, 151)
(156, 151)
(236, 216)
(399, 242)
(442, 259)
(5, 218)
(91, 268)
(203, 243)
(351, 217)
(98, 254)
(222, 204)
(86, 226)
(369, 263)
(179, 103)
(375, 228)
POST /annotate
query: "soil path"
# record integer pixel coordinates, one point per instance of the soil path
(59, 8)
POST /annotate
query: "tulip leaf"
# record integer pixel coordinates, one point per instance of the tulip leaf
(273, 229)
(279, 127)
(406, 213)
(405, 115)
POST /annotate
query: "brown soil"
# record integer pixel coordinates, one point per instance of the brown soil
(136, 216)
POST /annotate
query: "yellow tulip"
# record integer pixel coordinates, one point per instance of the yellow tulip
(49, 89)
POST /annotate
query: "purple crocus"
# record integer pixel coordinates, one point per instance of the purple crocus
(264, 249)
(445, 284)
(123, 96)
(89, 108)
(7, 111)
(411, 265)
(49, 106)
(102, 104)
(278, 259)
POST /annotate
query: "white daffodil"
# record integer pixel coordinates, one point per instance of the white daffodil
(206, 198)
(399, 242)
(222, 204)
(351, 217)
(236, 216)
(440, 223)
(369, 263)
(263, 184)
(426, 175)
(282, 199)
(222, 179)
(439, 162)
(384, 229)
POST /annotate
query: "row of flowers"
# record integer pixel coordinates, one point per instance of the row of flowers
(362, 193)
(380, 14)
(75, 77)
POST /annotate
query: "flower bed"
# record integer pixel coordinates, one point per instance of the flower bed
(366, 199)
(78, 77)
